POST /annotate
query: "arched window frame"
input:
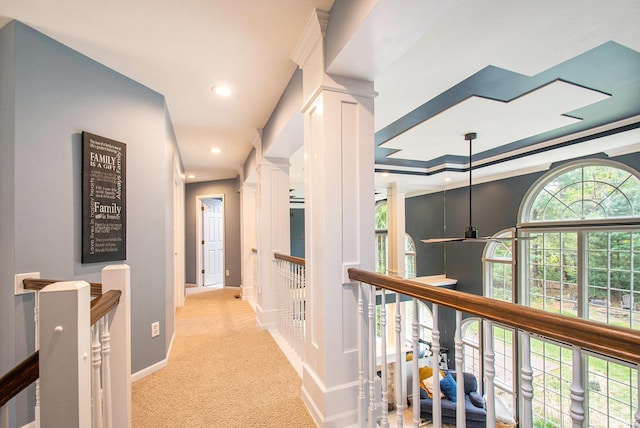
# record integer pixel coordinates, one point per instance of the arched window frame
(570, 236)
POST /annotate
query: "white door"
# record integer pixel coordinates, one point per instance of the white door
(213, 248)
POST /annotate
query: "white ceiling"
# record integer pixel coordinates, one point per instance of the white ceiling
(414, 50)
(181, 49)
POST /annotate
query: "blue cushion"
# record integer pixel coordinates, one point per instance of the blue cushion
(448, 387)
(476, 399)
(423, 394)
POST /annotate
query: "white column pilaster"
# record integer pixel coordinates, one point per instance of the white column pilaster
(395, 230)
(248, 238)
(273, 231)
(339, 226)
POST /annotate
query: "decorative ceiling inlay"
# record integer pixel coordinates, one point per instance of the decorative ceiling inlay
(513, 111)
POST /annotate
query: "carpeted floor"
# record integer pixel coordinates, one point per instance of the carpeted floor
(223, 371)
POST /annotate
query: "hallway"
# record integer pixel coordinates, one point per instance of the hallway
(223, 371)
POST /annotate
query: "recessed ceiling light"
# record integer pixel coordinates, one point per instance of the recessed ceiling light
(191, 176)
(447, 179)
(216, 150)
(222, 90)
(385, 174)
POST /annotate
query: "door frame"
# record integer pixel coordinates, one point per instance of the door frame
(199, 225)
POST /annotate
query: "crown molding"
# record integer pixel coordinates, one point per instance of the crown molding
(313, 33)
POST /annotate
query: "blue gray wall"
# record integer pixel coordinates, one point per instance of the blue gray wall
(49, 94)
(228, 189)
(296, 234)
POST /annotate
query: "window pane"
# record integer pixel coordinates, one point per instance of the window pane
(552, 374)
(553, 272)
(587, 192)
(613, 393)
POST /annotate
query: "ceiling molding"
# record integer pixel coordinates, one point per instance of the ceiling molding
(313, 34)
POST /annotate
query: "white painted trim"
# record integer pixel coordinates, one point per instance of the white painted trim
(19, 286)
(288, 351)
(171, 345)
(149, 370)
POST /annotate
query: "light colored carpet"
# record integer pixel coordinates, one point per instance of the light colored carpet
(223, 371)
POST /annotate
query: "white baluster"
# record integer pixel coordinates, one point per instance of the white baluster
(435, 365)
(361, 358)
(415, 387)
(577, 389)
(383, 359)
(461, 420)
(36, 320)
(96, 389)
(489, 373)
(400, 405)
(372, 355)
(303, 308)
(106, 372)
(637, 415)
(526, 381)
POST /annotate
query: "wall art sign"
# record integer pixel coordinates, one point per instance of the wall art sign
(104, 202)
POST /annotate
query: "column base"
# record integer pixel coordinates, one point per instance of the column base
(334, 407)
(266, 319)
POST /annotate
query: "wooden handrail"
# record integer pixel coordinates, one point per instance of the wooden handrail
(20, 377)
(103, 304)
(618, 342)
(292, 259)
(38, 284)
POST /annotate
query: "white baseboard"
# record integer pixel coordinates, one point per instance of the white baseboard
(149, 370)
(171, 345)
(155, 367)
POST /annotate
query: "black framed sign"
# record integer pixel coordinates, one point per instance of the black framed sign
(104, 202)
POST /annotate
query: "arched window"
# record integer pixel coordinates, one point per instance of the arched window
(382, 245)
(409, 257)
(582, 259)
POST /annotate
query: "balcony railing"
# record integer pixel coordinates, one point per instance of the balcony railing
(291, 292)
(82, 363)
(580, 335)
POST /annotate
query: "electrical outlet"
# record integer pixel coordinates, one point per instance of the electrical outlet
(155, 329)
(227, 272)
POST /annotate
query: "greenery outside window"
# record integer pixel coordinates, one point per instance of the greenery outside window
(583, 260)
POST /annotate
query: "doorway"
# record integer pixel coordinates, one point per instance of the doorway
(210, 242)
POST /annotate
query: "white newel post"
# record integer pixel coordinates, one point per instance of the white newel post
(65, 349)
(272, 209)
(117, 277)
(339, 225)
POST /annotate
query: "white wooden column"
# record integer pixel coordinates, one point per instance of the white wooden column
(273, 231)
(248, 237)
(339, 225)
(118, 277)
(395, 230)
(65, 362)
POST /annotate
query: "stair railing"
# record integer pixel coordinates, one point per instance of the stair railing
(82, 363)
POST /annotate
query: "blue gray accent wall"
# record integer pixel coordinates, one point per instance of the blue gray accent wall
(495, 207)
(296, 233)
(229, 189)
(49, 94)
